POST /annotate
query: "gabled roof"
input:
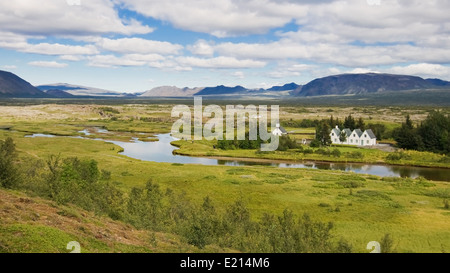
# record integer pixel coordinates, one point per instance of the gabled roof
(358, 132)
(283, 130)
(370, 133)
(347, 131)
(336, 131)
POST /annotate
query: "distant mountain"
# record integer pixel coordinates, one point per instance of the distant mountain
(57, 93)
(221, 90)
(438, 82)
(13, 86)
(363, 83)
(78, 90)
(286, 87)
(171, 91)
(344, 84)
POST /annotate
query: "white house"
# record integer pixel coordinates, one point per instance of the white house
(368, 138)
(357, 137)
(279, 131)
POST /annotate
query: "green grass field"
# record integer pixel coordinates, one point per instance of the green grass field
(363, 208)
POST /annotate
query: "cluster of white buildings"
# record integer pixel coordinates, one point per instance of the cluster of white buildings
(355, 137)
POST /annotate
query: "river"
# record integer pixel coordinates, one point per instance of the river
(161, 151)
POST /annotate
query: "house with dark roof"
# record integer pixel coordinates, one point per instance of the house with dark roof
(279, 131)
(355, 137)
(368, 138)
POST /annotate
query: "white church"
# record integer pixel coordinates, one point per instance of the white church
(357, 137)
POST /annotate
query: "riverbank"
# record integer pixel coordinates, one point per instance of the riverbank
(348, 155)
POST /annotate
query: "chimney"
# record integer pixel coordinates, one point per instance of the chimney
(337, 127)
(278, 125)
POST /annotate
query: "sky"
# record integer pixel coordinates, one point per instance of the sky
(135, 45)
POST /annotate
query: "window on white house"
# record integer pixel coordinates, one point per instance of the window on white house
(367, 142)
(365, 135)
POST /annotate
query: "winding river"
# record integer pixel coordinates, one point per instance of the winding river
(161, 151)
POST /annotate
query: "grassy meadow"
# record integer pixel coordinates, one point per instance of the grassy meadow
(363, 208)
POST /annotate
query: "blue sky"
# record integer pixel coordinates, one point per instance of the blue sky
(135, 45)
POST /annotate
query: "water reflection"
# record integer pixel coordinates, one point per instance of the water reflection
(162, 151)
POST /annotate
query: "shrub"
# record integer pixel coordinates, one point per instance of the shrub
(344, 247)
(336, 153)
(387, 244)
(110, 110)
(445, 159)
(355, 155)
(350, 184)
(106, 175)
(398, 156)
(315, 144)
(323, 151)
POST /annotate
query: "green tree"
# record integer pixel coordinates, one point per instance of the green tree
(360, 124)
(286, 143)
(323, 133)
(153, 204)
(350, 123)
(407, 136)
(342, 136)
(387, 244)
(378, 129)
(9, 174)
(434, 132)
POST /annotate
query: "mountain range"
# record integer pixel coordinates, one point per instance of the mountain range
(77, 90)
(13, 86)
(345, 84)
(366, 83)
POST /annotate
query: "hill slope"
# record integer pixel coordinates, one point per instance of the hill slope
(78, 90)
(171, 91)
(59, 93)
(13, 86)
(222, 90)
(37, 225)
(287, 87)
(363, 84)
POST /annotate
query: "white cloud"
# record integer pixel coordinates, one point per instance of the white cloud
(201, 48)
(219, 62)
(324, 37)
(56, 17)
(20, 43)
(109, 61)
(138, 45)
(238, 74)
(423, 70)
(363, 71)
(220, 18)
(278, 74)
(72, 58)
(51, 64)
(58, 49)
(9, 67)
